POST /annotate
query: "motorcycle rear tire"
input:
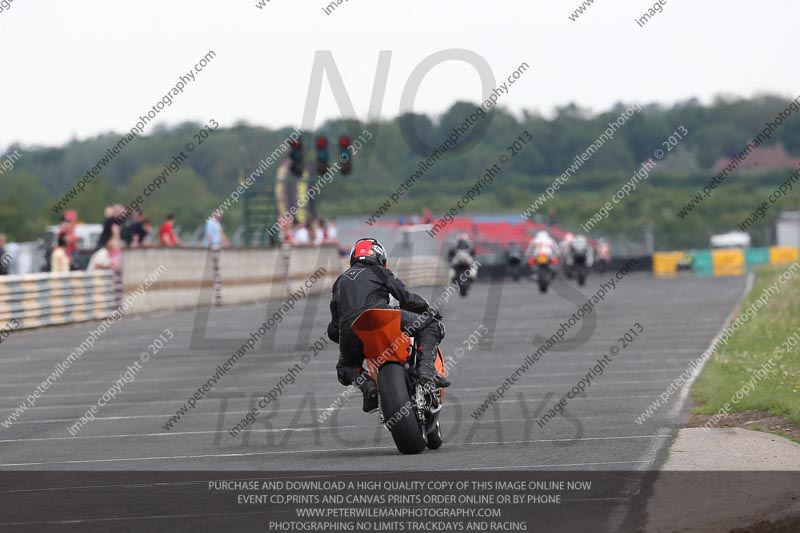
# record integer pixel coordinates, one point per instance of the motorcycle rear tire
(408, 434)
(463, 288)
(543, 286)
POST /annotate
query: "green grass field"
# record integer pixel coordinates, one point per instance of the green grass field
(758, 369)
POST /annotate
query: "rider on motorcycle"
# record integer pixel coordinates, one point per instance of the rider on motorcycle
(367, 284)
(603, 254)
(581, 252)
(565, 244)
(542, 243)
(462, 256)
(514, 260)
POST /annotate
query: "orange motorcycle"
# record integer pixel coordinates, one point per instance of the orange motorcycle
(408, 410)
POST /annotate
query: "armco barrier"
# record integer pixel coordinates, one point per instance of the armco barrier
(49, 299)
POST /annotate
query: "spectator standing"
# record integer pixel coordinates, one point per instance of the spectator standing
(215, 236)
(60, 259)
(111, 225)
(552, 217)
(5, 259)
(315, 233)
(329, 232)
(67, 229)
(300, 235)
(135, 234)
(108, 257)
(166, 233)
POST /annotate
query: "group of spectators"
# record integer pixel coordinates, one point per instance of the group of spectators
(126, 228)
(312, 233)
(121, 228)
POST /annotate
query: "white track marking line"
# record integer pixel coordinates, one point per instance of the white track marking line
(487, 389)
(260, 431)
(686, 389)
(621, 511)
(258, 379)
(321, 451)
(478, 399)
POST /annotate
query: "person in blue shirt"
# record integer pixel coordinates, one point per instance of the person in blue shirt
(215, 236)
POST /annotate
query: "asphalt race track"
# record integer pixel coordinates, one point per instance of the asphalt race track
(679, 316)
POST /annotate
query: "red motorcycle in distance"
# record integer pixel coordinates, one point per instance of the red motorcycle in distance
(408, 410)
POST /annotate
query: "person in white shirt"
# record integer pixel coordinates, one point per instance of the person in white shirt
(109, 257)
(300, 235)
(329, 231)
(59, 260)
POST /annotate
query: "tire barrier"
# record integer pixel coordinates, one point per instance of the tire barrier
(721, 261)
(36, 300)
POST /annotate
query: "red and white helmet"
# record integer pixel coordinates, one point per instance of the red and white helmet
(368, 251)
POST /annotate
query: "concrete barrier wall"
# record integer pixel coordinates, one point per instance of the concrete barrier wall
(179, 271)
(201, 277)
(420, 271)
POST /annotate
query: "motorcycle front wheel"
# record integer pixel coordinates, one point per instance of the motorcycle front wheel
(398, 414)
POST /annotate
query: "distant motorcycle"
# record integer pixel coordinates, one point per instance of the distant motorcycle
(463, 271)
(579, 259)
(543, 267)
(514, 260)
(408, 410)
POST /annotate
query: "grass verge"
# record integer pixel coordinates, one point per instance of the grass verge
(759, 367)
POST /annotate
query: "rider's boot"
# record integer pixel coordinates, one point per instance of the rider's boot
(426, 371)
(369, 390)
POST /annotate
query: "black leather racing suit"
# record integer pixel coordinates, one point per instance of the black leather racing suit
(363, 287)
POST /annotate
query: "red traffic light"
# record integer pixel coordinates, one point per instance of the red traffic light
(296, 144)
(344, 141)
(322, 142)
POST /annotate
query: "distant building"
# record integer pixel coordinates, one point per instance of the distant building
(772, 158)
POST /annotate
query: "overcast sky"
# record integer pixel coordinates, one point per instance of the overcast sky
(82, 67)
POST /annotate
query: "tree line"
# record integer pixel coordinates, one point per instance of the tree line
(716, 130)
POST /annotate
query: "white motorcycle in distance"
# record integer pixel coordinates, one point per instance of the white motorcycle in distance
(542, 256)
(579, 259)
